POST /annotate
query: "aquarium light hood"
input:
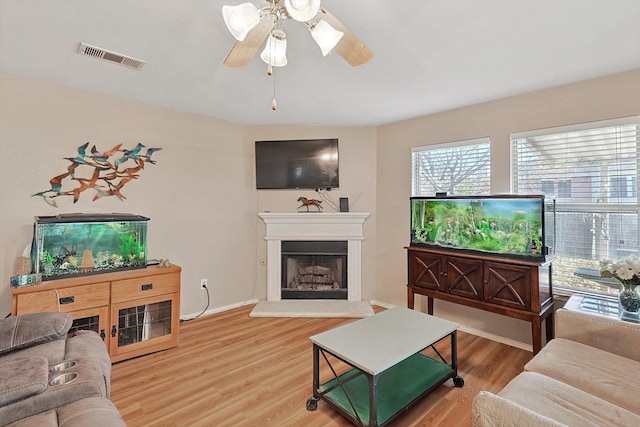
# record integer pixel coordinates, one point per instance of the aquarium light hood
(90, 217)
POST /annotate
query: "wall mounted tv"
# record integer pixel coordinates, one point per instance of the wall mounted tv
(517, 226)
(300, 163)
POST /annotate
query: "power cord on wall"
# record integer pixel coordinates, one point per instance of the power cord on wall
(324, 196)
(205, 309)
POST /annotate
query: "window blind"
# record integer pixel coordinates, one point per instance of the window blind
(457, 168)
(591, 171)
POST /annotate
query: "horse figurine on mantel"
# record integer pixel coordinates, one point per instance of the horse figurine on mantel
(309, 202)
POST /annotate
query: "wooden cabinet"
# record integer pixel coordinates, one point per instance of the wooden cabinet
(135, 312)
(453, 275)
(516, 288)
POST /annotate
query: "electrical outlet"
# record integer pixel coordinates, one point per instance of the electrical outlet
(203, 283)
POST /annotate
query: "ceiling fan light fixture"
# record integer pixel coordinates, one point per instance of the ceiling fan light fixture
(326, 36)
(302, 10)
(275, 50)
(241, 19)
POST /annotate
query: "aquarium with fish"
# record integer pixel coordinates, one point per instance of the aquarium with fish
(506, 225)
(78, 244)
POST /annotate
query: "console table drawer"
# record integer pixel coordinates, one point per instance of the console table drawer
(64, 299)
(142, 287)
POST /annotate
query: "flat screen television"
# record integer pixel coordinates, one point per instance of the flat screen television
(300, 163)
(518, 226)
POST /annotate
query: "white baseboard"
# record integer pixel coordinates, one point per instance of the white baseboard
(218, 309)
(497, 338)
(477, 332)
(472, 331)
(382, 304)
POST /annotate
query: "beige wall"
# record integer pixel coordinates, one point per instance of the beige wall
(201, 195)
(599, 99)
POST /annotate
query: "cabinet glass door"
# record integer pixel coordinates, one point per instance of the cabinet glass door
(144, 322)
(91, 319)
(143, 326)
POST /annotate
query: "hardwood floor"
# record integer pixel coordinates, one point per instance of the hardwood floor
(234, 370)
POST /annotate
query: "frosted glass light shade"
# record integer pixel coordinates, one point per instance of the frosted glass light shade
(275, 50)
(326, 36)
(302, 10)
(241, 19)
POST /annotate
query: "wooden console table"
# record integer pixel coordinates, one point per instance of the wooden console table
(135, 312)
(511, 287)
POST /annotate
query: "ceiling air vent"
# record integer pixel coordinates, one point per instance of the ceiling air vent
(97, 52)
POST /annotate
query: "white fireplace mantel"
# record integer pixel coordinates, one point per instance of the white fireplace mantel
(342, 226)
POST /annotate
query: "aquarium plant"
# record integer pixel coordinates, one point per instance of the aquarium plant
(48, 263)
(130, 248)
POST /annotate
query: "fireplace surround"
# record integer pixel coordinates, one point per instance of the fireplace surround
(301, 226)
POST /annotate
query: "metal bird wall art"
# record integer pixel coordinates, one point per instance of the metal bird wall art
(104, 172)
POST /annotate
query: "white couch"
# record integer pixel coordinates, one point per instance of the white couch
(589, 375)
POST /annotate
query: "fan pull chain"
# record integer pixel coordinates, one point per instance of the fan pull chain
(274, 103)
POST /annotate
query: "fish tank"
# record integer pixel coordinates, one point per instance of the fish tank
(516, 226)
(69, 245)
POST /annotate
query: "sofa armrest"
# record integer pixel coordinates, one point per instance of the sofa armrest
(88, 345)
(490, 410)
(31, 329)
(22, 378)
(608, 334)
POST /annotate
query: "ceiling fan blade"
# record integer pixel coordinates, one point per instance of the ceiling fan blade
(243, 52)
(350, 47)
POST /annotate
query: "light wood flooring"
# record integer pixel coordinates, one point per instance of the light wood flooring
(234, 370)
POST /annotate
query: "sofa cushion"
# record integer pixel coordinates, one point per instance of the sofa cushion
(93, 412)
(565, 404)
(31, 329)
(53, 350)
(90, 412)
(605, 375)
(490, 410)
(87, 380)
(89, 345)
(22, 378)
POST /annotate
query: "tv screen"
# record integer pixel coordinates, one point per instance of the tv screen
(308, 163)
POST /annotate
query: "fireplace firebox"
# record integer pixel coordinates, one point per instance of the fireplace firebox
(314, 269)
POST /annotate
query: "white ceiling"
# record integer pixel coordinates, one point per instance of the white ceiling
(430, 55)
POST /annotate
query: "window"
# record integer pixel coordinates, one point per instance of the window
(591, 170)
(456, 168)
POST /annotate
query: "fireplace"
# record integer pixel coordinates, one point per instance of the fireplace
(303, 228)
(314, 269)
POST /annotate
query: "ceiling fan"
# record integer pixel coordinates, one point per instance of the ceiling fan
(251, 26)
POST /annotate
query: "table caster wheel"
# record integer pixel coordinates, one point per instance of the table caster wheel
(458, 381)
(312, 404)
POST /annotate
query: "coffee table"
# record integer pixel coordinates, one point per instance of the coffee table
(385, 371)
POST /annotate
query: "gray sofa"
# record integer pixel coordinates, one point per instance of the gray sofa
(48, 378)
(589, 375)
